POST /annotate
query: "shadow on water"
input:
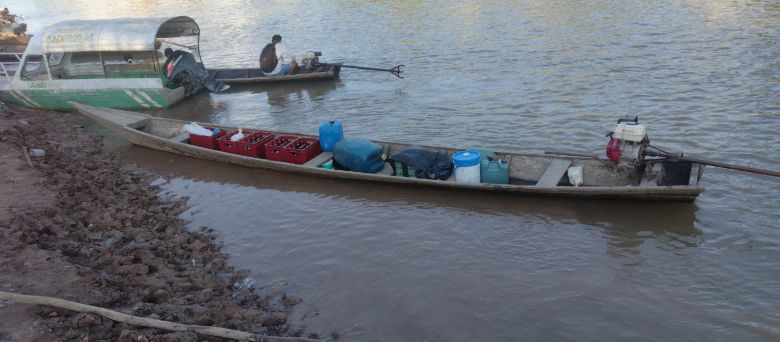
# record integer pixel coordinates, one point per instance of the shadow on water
(314, 88)
(626, 223)
(249, 99)
(282, 94)
(200, 107)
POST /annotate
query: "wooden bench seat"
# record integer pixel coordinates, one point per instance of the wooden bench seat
(652, 174)
(181, 137)
(553, 174)
(319, 159)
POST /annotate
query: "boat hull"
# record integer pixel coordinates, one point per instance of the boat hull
(128, 124)
(237, 76)
(58, 99)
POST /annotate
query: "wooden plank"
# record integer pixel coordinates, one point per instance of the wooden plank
(694, 179)
(318, 160)
(181, 137)
(554, 172)
(138, 125)
(387, 170)
(652, 174)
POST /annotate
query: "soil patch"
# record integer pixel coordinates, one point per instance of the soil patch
(82, 226)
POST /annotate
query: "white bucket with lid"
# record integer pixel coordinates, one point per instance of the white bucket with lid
(466, 166)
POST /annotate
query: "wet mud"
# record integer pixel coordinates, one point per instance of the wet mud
(79, 225)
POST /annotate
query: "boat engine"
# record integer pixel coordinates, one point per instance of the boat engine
(628, 142)
(310, 59)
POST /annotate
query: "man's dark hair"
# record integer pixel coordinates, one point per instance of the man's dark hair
(276, 38)
(168, 51)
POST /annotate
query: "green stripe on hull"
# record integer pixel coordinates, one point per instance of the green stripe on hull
(111, 98)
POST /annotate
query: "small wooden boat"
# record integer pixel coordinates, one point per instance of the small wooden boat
(537, 175)
(254, 75)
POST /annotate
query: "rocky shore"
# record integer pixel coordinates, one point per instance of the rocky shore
(79, 225)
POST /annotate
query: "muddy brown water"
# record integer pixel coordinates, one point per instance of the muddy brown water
(383, 263)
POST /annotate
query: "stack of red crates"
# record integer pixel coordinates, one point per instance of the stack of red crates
(292, 149)
(274, 149)
(209, 142)
(303, 149)
(226, 145)
(253, 144)
(260, 144)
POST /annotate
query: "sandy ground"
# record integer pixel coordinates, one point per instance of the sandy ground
(81, 226)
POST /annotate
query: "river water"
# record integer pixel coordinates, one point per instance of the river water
(382, 263)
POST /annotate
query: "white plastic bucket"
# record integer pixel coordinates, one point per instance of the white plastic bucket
(466, 166)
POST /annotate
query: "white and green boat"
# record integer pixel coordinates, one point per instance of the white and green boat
(113, 63)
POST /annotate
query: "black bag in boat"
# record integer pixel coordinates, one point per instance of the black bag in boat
(268, 59)
(186, 71)
(426, 164)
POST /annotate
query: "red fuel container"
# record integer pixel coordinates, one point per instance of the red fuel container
(253, 145)
(206, 142)
(225, 145)
(302, 150)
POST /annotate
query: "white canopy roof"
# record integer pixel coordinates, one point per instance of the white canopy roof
(125, 34)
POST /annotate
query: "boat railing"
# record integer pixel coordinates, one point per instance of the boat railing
(9, 64)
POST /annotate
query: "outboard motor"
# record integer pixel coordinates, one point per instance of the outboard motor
(183, 69)
(628, 142)
(310, 59)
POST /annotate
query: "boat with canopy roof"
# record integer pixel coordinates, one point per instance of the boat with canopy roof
(114, 63)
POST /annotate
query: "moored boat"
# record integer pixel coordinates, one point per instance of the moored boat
(108, 63)
(529, 174)
(236, 76)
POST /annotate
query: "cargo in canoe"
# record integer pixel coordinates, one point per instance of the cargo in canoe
(529, 174)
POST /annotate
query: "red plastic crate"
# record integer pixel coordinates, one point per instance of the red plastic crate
(274, 149)
(225, 145)
(302, 150)
(253, 145)
(206, 142)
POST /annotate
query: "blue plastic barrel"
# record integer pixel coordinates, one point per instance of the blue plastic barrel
(330, 133)
(358, 155)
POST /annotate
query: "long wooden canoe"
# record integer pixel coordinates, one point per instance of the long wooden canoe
(254, 75)
(530, 175)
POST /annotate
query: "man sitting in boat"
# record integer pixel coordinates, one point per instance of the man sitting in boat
(8, 23)
(6, 16)
(182, 69)
(276, 59)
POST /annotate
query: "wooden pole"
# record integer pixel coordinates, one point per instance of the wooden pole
(715, 163)
(27, 156)
(603, 161)
(675, 157)
(147, 322)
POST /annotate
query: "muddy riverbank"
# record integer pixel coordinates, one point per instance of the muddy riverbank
(79, 225)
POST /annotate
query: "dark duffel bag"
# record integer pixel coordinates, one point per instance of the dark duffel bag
(421, 163)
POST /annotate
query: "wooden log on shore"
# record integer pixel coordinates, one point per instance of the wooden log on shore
(147, 322)
(27, 156)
